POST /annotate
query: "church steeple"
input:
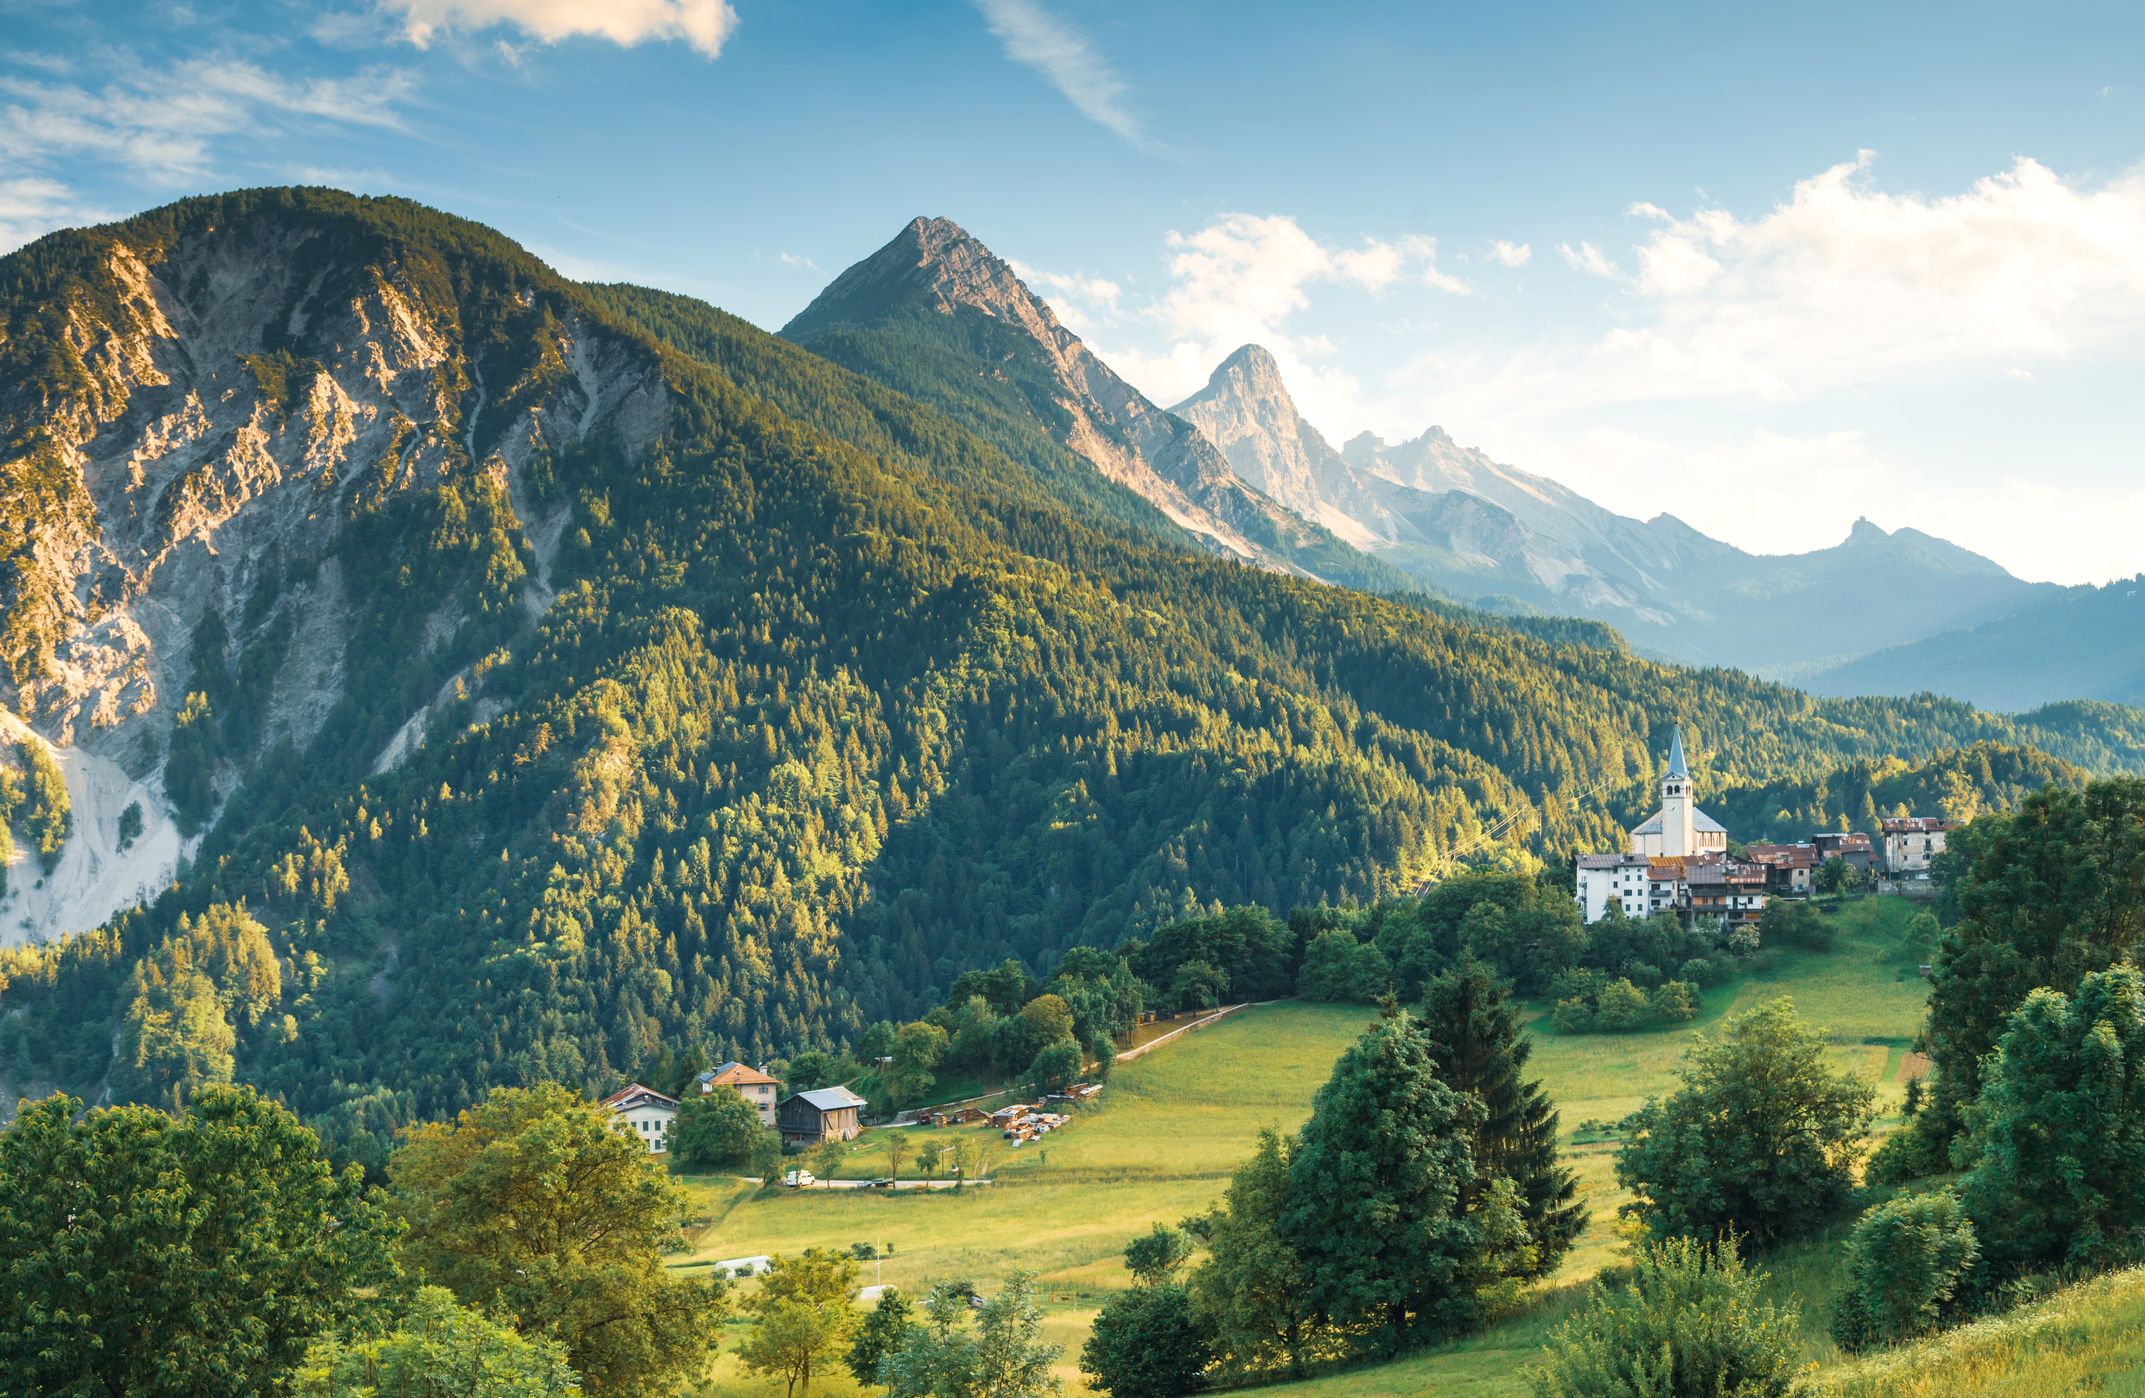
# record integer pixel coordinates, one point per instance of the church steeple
(1679, 834)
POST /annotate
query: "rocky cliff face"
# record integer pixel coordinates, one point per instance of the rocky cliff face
(210, 412)
(934, 269)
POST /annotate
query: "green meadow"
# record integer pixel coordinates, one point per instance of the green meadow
(1161, 1141)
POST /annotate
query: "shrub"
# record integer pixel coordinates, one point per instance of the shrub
(1689, 1322)
(1675, 1002)
(1904, 1264)
(1623, 1006)
(1146, 1344)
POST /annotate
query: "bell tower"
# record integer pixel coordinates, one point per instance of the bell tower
(1679, 834)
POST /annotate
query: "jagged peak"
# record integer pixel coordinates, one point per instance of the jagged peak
(933, 235)
(1250, 359)
(937, 262)
(1251, 374)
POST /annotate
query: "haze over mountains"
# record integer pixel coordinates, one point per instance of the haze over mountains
(1479, 530)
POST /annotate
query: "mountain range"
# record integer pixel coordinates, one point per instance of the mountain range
(937, 315)
(462, 675)
(1485, 532)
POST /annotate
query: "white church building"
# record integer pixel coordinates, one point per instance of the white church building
(1652, 873)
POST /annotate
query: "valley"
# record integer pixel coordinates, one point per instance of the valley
(1161, 1141)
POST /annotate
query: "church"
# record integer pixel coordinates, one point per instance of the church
(1654, 872)
(1679, 827)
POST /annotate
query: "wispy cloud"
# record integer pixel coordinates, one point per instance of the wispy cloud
(1589, 259)
(798, 260)
(160, 122)
(1244, 279)
(31, 206)
(1511, 254)
(702, 25)
(1033, 36)
(164, 125)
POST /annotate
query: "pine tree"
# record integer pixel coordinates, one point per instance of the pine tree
(1475, 1039)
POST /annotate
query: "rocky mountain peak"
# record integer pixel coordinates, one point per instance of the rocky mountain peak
(936, 264)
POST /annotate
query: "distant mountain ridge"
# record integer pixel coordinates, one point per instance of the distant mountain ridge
(1486, 532)
(2082, 642)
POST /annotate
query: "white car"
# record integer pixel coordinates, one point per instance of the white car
(798, 1179)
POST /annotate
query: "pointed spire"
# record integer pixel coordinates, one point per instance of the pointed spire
(1676, 766)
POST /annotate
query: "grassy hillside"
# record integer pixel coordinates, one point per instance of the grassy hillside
(1172, 1126)
(2089, 1338)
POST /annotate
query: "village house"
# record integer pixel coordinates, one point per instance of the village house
(1910, 842)
(1726, 889)
(752, 1084)
(1788, 868)
(645, 1112)
(823, 1114)
(1853, 846)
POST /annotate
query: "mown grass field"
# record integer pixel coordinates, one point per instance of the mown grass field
(1169, 1129)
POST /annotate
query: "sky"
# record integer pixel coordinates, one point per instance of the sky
(1768, 269)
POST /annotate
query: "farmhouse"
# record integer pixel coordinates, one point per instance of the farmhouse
(752, 1084)
(645, 1112)
(824, 1114)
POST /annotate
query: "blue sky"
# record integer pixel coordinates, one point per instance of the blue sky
(1767, 271)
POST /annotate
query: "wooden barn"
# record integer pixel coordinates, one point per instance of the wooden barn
(824, 1114)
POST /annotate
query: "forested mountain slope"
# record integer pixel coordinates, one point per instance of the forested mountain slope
(558, 674)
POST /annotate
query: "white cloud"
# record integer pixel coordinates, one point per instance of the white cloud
(1243, 279)
(1589, 259)
(1844, 283)
(1038, 39)
(160, 123)
(797, 260)
(31, 206)
(1511, 254)
(703, 25)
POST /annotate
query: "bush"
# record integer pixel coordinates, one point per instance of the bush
(1675, 1002)
(1338, 967)
(1623, 1006)
(1904, 1264)
(1146, 1344)
(1688, 1323)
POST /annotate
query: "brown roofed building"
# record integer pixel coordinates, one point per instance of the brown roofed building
(753, 1085)
(646, 1113)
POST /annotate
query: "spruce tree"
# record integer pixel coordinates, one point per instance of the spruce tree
(1399, 1236)
(1474, 1036)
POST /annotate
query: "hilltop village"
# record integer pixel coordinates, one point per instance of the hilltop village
(1678, 860)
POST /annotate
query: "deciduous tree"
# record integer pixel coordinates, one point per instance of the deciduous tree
(1761, 1139)
(166, 1257)
(533, 1205)
(802, 1316)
